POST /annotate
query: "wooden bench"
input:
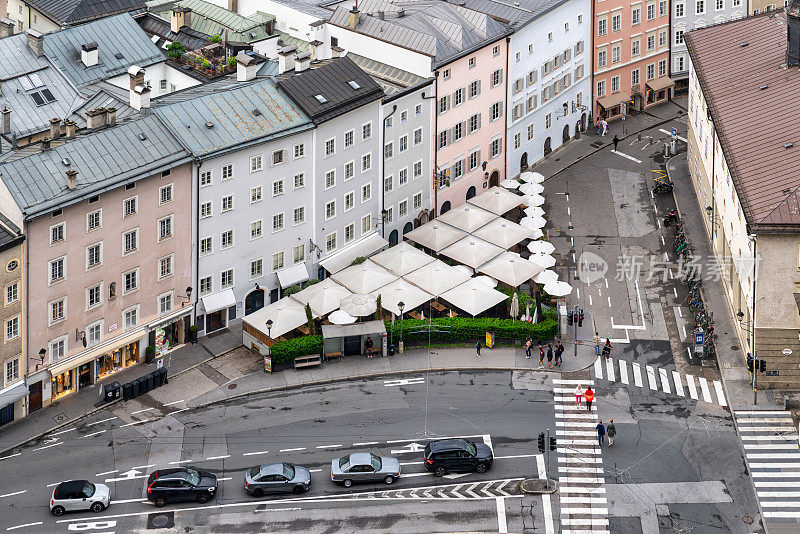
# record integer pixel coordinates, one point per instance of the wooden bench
(331, 355)
(372, 351)
(307, 361)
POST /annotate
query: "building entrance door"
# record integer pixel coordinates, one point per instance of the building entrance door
(216, 321)
(352, 345)
(85, 375)
(34, 396)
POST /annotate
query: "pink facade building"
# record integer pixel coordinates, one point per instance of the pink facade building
(631, 56)
(109, 227)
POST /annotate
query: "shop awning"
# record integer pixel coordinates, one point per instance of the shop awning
(218, 301)
(13, 393)
(610, 101)
(170, 317)
(96, 351)
(333, 263)
(660, 83)
(356, 329)
(293, 275)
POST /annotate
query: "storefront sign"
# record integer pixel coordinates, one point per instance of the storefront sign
(162, 341)
(113, 326)
(489, 340)
(267, 364)
(160, 363)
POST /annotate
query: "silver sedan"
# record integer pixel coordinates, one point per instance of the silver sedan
(364, 467)
(277, 478)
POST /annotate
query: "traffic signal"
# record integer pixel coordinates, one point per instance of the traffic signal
(749, 362)
(580, 318)
(541, 442)
(569, 318)
(762, 365)
(552, 444)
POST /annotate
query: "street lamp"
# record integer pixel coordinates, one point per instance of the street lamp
(42, 354)
(384, 215)
(188, 296)
(400, 306)
(269, 337)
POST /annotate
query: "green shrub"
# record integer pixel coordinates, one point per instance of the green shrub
(175, 50)
(215, 39)
(358, 261)
(232, 61)
(291, 290)
(284, 352)
(461, 329)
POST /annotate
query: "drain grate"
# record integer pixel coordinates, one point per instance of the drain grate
(735, 347)
(231, 386)
(747, 519)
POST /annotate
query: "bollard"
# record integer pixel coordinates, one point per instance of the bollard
(666, 150)
(639, 136)
(651, 140)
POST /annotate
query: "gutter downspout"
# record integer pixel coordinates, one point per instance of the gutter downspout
(383, 172)
(713, 179)
(753, 291)
(435, 146)
(505, 111)
(196, 245)
(592, 117)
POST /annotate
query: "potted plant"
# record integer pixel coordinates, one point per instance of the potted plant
(149, 352)
(193, 333)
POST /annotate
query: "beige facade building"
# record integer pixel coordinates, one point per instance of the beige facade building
(746, 176)
(756, 7)
(13, 392)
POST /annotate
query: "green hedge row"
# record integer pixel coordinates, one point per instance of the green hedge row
(284, 352)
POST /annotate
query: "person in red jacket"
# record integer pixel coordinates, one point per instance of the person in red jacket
(588, 396)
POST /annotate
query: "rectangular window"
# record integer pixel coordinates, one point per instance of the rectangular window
(164, 303)
(679, 12)
(651, 11)
(517, 140)
(662, 67)
(497, 77)
(474, 88)
(130, 281)
(495, 111)
(417, 201)
(349, 170)
(227, 172)
(366, 224)
(330, 179)
(651, 69)
(366, 131)
(402, 208)
(349, 232)
(165, 227)
(300, 149)
(444, 104)
(57, 233)
(635, 76)
(226, 239)
(206, 246)
(388, 150)
(12, 328)
(402, 177)
(12, 293)
(227, 203)
(614, 84)
(679, 37)
(94, 333)
(94, 255)
(700, 7)
(129, 206)
(205, 178)
(277, 188)
(330, 242)
(278, 261)
(601, 88)
(165, 266)
(205, 210)
(348, 138)
(418, 110)
(494, 148)
(164, 194)
(58, 347)
(130, 241)
(720, 5)
(94, 296)
(389, 123)
(636, 15)
(58, 310)
(255, 194)
(277, 158)
(474, 123)
(256, 163)
(662, 8)
(299, 180)
(530, 132)
(474, 159)
(366, 162)
(12, 367)
(601, 58)
(226, 279)
(256, 268)
(388, 183)
(601, 27)
(651, 43)
(458, 132)
(206, 285)
(349, 201)
(662, 38)
(330, 210)
(389, 214)
(616, 53)
(298, 253)
(402, 144)
(417, 169)
(418, 136)
(616, 22)
(94, 220)
(635, 47)
(255, 230)
(330, 147)
(366, 192)
(277, 222)
(130, 318)
(458, 97)
(679, 65)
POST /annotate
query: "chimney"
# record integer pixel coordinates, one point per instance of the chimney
(111, 116)
(55, 128)
(72, 179)
(95, 118)
(178, 18)
(793, 34)
(36, 42)
(269, 26)
(136, 75)
(313, 45)
(5, 121)
(6, 27)
(382, 15)
(336, 51)
(140, 97)
(89, 54)
(70, 127)
(355, 16)
(286, 57)
(401, 13)
(302, 61)
(233, 5)
(247, 65)
(46, 143)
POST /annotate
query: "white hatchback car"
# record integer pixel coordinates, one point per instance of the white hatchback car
(79, 495)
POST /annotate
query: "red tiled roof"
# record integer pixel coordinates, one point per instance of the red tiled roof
(754, 122)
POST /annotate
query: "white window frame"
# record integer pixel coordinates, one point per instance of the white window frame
(135, 273)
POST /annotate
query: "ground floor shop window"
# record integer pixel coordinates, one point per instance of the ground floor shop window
(63, 384)
(116, 361)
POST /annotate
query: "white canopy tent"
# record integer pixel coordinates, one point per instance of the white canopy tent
(401, 259)
(435, 235)
(341, 258)
(468, 217)
(511, 269)
(359, 305)
(473, 296)
(532, 177)
(285, 314)
(488, 280)
(503, 233)
(464, 269)
(323, 297)
(496, 200)
(364, 278)
(401, 291)
(437, 277)
(472, 251)
(341, 317)
(533, 222)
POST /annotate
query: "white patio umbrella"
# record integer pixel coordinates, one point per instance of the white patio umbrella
(402, 259)
(511, 269)
(533, 211)
(532, 200)
(532, 177)
(359, 305)
(531, 189)
(503, 233)
(435, 235)
(472, 251)
(286, 314)
(537, 234)
(468, 217)
(535, 223)
(438, 277)
(488, 280)
(545, 260)
(541, 247)
(558, 289)
(545, 277)
(324, 296)
(401, 291)
(473, 296)
(341, 317)
(509, 184)
(496, 200)
(464, 269)
(514, 311)
(364, 278)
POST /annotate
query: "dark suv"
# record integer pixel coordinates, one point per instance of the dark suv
(448, 455)
(180, 484)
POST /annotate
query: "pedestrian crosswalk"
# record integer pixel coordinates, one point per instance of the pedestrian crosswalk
(770, 442)
(581, 484)
(659, 379)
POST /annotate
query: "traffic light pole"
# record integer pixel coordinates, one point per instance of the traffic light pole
(575, 323)
(755, 377)
(547, 461)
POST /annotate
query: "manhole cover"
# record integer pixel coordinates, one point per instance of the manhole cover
(747, 520)
(735, 347)
(161, 520)
(231, 386)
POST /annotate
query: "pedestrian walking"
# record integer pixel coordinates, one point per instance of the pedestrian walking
(596, 339)
(611, 431)
(601, 433)
(528, 344)
(588, 396)
(559, 352)
(541, 357)
(550, 355)
(607, 349)
(578, 395)
(598, 127)
(478, 348)
(604, 123)
(616, 142)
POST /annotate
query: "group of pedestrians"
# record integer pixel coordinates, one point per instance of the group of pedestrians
(553, 355)
(587, 396)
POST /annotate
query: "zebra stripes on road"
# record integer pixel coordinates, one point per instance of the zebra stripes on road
(660, 380)
(584, 507)
(770, 442)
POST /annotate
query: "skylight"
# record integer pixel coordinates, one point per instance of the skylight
(321, 99)
(354, 84)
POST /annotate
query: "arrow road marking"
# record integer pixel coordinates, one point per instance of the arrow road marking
(127, 475)
(453, 476)
(412, 447)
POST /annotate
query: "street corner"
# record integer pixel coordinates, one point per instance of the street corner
(538, 486)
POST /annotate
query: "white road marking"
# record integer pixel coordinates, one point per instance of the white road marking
(63, 432)
(664, 380)
(92, 434)
(10, 456)
(637, 374)
(403, 381)
(179, 462)
(502, 525)
(590, 299)
(546, 508)
(136, 423)
(293, 450)
(106, 473)
(254, 453)
(663, 243)
(658, 222)
(662, 130)
(675, 291)
(12, 494)
(329, 446)
(626, 156)
(572, 381)
(598, 368)
(691, 386)
(761, 412)
(704, 388)
(771, 446)
(219, 457)
(125, 501)
(176, 402)
(363, 443)
(720, 393)
(25, 525)
(103, 421)
(683, 327)
(224, 478)
(178, 411)
(315, 470)
(48, 446)
(143, 410)
(610, 369)
(774, 484)
(779, 494)
(676, 379)
(651, 378)
(609, 301)
(623, 371)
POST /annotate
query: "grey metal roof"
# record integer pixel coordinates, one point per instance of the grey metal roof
(438, 29)
(74, 11)
(518, 13)
(103, 99)
(155, 25)
(226, 119)
(391, 79)
(121, 43)
(309, 7)
(330, 80)
(23, 75)
(104, 160)
(9, 234)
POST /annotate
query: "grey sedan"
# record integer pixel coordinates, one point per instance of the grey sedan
(364, 467)
(277, 478)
